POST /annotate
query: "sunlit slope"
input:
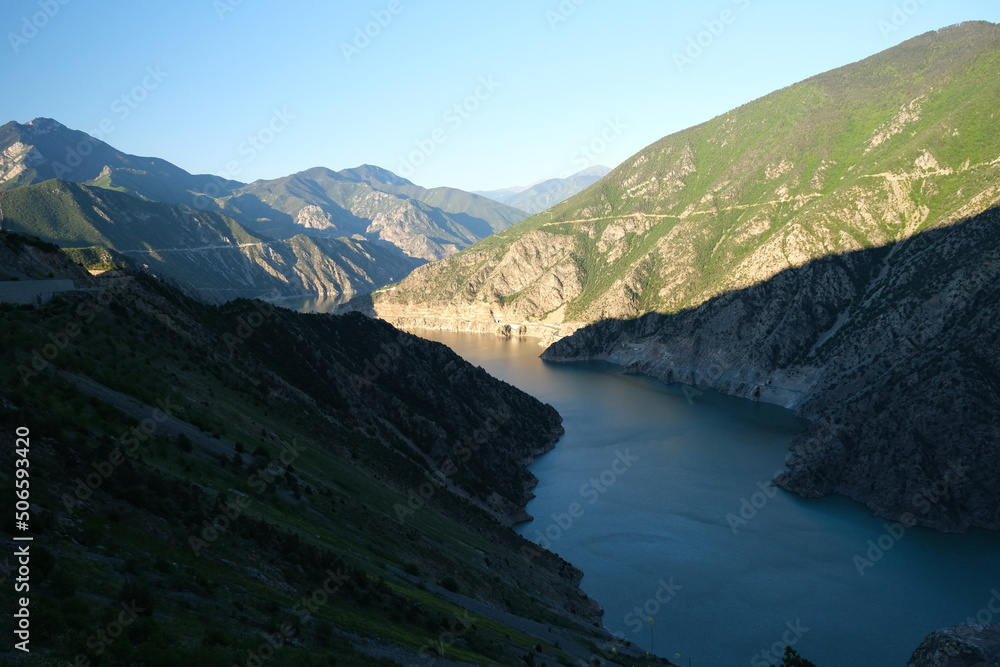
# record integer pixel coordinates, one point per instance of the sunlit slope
(870, 153)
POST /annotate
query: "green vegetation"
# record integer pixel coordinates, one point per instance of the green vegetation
(858, 157)
(209, 254)
(793, 659)
(250, 504)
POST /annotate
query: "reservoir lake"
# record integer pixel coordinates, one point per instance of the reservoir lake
(660, 495)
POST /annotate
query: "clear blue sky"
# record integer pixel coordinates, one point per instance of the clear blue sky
(200, 77)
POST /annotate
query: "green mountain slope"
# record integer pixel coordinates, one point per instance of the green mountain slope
(208, 254)
(864, 155)
(424, 224)
(257, 485)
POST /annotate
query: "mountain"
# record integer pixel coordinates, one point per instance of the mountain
(43, 149)
(889, 352)
(959, 646)
(209, 255)
(861, 156)
(368, 202)
(537, 197)
(428, 224)
(245, 484)
(830, 247)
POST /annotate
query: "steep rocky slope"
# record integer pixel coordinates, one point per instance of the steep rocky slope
(890, 353)
(259, 485)
(320, 232)
(830, 247)
(43, 149)
(961, 646)
(209, 255)
(427, 224)
(858, 157)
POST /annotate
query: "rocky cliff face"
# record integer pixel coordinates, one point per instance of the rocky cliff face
(209, 255)
(425, 224)
(961, 646)
(889, 352)
(829, 247)
(331, 234)
(859, 157)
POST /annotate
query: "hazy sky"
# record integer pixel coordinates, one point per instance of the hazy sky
(474, 95)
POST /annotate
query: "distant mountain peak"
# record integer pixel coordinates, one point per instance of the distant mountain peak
(543, 194)
(369, 173)
(44, 125)
(598, 170)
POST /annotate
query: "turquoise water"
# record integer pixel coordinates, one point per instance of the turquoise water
(659, 494)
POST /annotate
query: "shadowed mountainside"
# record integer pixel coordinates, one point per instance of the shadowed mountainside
(890, 352)
(232, 472)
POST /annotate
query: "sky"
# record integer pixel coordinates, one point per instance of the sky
(473, 95)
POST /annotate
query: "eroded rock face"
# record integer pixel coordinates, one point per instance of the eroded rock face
(889, 352)
(960, 646)
(788, 251)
